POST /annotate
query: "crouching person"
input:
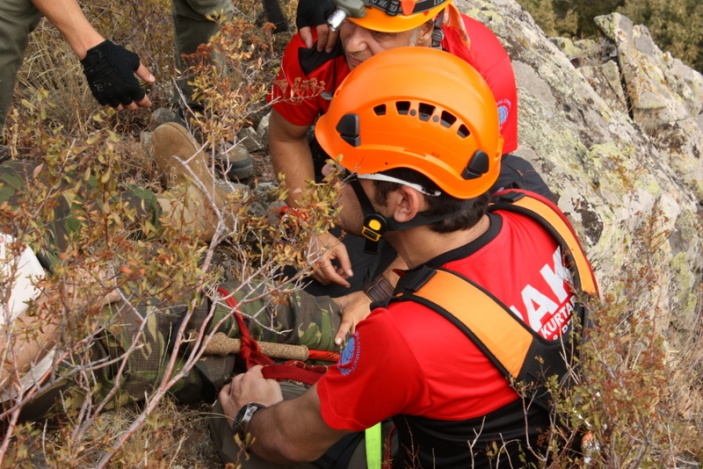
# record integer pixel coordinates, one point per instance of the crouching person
(416, 134)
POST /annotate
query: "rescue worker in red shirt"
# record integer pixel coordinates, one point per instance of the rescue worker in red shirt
(417, 132)
(308, 78)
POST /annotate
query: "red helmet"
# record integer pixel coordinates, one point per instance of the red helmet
(416, 108)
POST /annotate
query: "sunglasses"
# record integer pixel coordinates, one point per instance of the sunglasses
(345, 176)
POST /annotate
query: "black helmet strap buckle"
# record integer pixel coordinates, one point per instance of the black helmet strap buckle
(374, 227)
(478, 165)
(374, 223)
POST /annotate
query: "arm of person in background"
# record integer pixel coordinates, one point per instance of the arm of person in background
(291, 156)
(109, 68)
(314, 13)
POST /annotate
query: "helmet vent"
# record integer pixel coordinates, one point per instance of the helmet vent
(448, 119)
(426, 111)
(403, 107)
(380, 110)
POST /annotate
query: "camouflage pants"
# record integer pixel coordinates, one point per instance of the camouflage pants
(17, 19)
(133, 352)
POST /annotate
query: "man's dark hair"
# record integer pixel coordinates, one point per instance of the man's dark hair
(459, 214)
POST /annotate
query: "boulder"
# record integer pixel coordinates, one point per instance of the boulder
(614, 126)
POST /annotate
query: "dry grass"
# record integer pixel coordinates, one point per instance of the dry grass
(175, 437)
(641, 395)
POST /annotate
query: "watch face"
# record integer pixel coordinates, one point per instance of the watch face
(241, 421)
(238, 418)
(249, 410)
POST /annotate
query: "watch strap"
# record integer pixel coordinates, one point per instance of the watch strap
(243, 418)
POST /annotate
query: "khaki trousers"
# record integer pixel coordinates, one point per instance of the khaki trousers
(18, 18)
(192, 28)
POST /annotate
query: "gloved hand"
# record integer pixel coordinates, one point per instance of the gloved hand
(314, 14)
(110, 69)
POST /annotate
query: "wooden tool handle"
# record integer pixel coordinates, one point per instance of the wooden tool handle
(220, 344)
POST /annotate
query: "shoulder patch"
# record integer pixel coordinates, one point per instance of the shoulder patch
(350, 355)
(504, 106)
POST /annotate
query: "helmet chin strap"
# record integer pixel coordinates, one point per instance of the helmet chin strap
(437, 31)
(375, 224)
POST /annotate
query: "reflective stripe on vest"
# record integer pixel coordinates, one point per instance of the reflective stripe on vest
(374, 446)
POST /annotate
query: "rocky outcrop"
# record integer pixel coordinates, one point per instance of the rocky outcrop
(616, 129)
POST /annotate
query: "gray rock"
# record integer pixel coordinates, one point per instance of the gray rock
(614, 127)
(263, 128)
(251, 140)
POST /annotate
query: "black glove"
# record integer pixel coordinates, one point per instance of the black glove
(110, 69)
(312, 13)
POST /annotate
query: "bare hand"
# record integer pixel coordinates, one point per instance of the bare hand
(328, 251)
(355, 308)
(248, 387)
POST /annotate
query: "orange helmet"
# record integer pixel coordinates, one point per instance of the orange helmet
(395, 15)
(417, 108)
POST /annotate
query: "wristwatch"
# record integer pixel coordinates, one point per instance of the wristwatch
(240, 424)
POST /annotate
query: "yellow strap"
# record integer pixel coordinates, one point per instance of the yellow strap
(374, 446)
